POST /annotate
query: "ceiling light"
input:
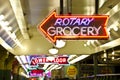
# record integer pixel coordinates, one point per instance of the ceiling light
(104, 59)
(50, 67)
(2, 17)
(71, 57)
(60, 43)
(113, 52)
(5, 45)
(105, 54)
(85, 45)
(115, 28)
(45, 66)
(53, 51)
(113, 58)
(13, 35)
(24, 59)
(9, 28)
(18, 58)
(18, 11)
(6, 23)
(88, 42)
(54, 67)
(59, 67)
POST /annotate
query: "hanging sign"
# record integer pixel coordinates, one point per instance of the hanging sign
(36, 73)
(74, 27)
(71, 71)
(55, 60)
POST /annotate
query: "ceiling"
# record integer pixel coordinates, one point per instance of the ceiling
(24, 16)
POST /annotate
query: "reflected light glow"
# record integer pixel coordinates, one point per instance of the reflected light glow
(60, 43)
(78, 59)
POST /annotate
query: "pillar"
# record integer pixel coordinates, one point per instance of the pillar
(3, 56)
(95, 65)
(78, 70)
(8, 67)
(15, 68)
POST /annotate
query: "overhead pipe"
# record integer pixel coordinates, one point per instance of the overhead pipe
(17, 9)
(95, 55)
(96, 6)
(69, 6)
(61, 7)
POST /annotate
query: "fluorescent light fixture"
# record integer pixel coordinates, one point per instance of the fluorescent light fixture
(71, 56)
(78, 59)
(28, 58)
(19, 60)
(27, 66)
(55, 66)
(13, 35)
(60, 43)
(53, 51)
(5, 45)
(23, 58)
(59, 67)
(50, 67)
(4, 25)
(23, 74)
(113, 26)
(17, 9)
(101, 2)
(9, 28)
(23, 66)
(45, 66)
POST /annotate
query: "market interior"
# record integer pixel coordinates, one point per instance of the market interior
(21, 39)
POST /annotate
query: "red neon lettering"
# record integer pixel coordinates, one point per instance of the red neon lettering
(43, 60)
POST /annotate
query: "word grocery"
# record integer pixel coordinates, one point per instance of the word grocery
(74, 27)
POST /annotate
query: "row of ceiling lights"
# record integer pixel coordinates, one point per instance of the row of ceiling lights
(59, 44)
(8, 29)
(89, 42)
(24, 62)
(105, 55)
(114, 26)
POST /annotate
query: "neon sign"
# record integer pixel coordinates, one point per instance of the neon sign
(36, 73)
(74, 27)
(42, 60)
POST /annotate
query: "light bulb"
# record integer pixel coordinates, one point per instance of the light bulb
(60, 43)
(53, 51)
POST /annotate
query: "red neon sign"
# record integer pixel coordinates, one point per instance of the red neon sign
(42, 60)
(33, 79)
(36, 73)
(74, 27)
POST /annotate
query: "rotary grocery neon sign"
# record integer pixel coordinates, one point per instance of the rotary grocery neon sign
(74, 27)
